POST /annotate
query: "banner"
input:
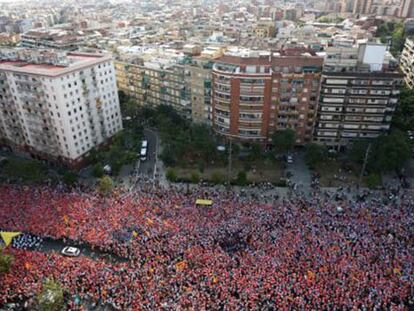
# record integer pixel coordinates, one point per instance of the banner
(8, 236)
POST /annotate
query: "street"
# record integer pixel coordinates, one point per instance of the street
(147, 167)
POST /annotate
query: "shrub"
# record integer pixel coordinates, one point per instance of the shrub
(373, 180)
(97, 170)
(217, 177)
(5, 262)
(105, 185)
(171, 175)
(242, 178)
(195, 177)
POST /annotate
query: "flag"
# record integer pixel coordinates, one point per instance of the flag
(28, 266)
(215, 280)
(66, 219)
(180, 266)
(134, 233)
(8, 236)
(149, 221)
(311, 275)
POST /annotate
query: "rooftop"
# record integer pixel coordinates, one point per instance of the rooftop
(55, 66)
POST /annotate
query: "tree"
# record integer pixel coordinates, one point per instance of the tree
(195, 177)
(171, 175)
(389, 152)
(51, 297)
(315, 154)
(70, 178)
(255, 151)
(97, 170)
(373, 180)
(105, 185)
(403, 118)
(217, 177)
(242, 178)
(6, 262)
(357, 151)
(284, 140)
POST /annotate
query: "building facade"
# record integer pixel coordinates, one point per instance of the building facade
(406, 9)
(256, 94)
(57, 105)
(155, 86)
(200, 89)
(407, 62)
(356, 102)
(50, 39)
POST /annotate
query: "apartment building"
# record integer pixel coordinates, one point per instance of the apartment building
(200, 70)
(50, 39)
(356, 102)
(257, 93)
(155, 84)
(406, 9)
(407, 62)
(57, 105)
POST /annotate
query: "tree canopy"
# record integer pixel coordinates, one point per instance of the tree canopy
(51, 297)
(389, 152)
(284, 140)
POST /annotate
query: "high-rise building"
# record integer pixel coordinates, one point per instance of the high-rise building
(155, 84)
(57, 105)
(362, 7)
(257, 93)
(407, 62)
(406, 9)
(200, 85)
(359, 93)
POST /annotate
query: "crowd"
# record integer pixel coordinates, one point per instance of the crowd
(240, 253)
(27, 241)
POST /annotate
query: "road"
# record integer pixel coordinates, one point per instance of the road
(147, 167)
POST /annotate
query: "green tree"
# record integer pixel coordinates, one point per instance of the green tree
(6, 262)
(255, 151)
(398, 39)
(389, 152)
(97, 170)
(105, 185)
(403, 118)
(171, 175)
(357, 151)
(373, 180)
(217, 177)
(284, 140)
(195, 177)
(51, 296)
(242, 178)
(315, 154)
(70, 178)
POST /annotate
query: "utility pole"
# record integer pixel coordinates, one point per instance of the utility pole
(364, 165)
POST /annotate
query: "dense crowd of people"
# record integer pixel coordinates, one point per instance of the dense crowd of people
(241, 253)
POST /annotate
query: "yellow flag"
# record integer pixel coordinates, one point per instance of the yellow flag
(134, 233)
(181, 265)
(8, 236)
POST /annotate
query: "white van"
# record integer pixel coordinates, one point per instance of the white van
(144, 144)
(143, 154)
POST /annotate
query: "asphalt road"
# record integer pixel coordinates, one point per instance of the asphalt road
(147, 167)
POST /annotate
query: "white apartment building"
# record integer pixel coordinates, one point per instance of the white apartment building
(57, 105)
(407, 62)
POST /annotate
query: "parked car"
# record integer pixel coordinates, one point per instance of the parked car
(71, 251)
